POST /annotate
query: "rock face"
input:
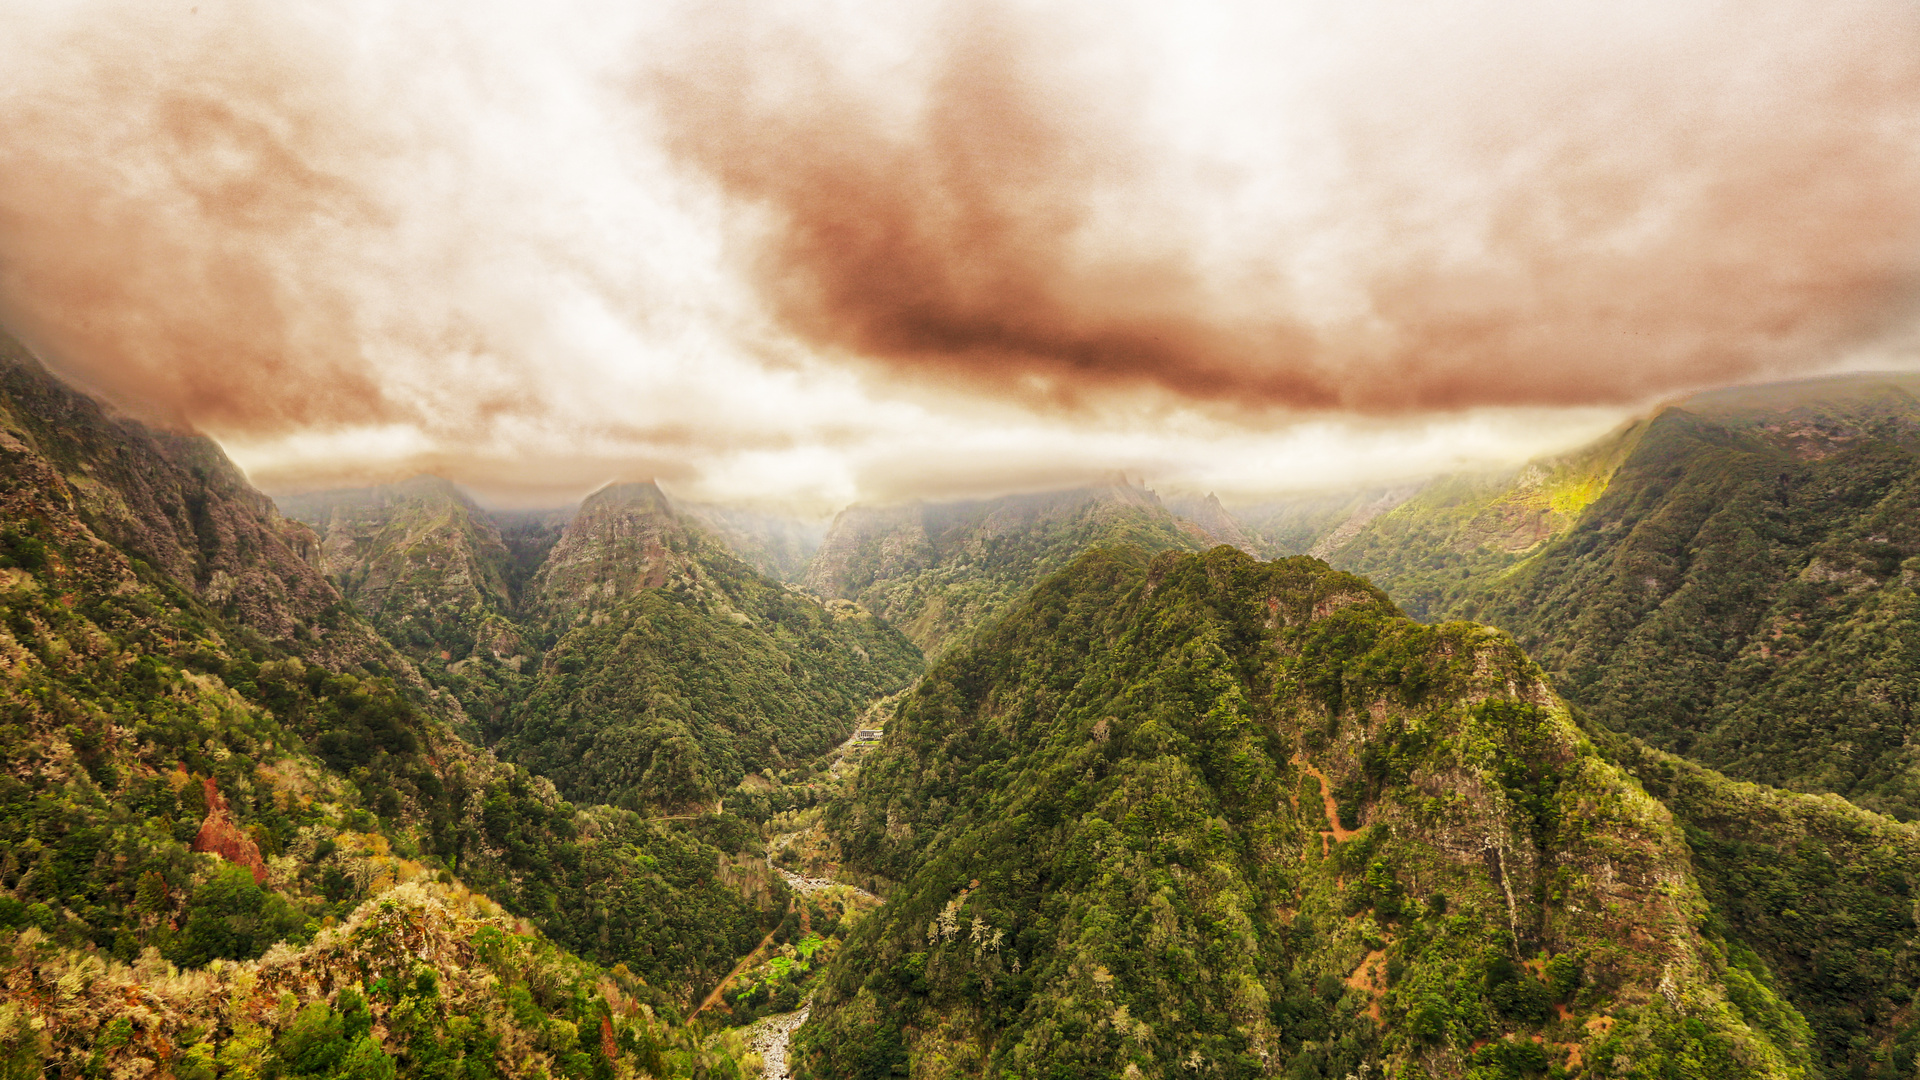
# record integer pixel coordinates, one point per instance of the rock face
(1199, 814)
(936, 570)
(177, 503)
(417, 545)
(222, 836)
(625, 538)
(420, 561)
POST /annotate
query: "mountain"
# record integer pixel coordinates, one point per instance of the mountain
(418, 559)
(1420, 540)
(1818, 888)
(1200, 815)
(210, 757)
(673, 670)
(1214, 522)
(936, 570)
(1731, 579)
(620, 649)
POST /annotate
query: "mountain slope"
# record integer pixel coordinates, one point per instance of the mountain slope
(626, 654)
(936, 570)
(1421, 541)
(1213, 816)
(175, 780)
(418, 559)
(1742, 591)
(1820, 889)
(675, 669)
(177, 504)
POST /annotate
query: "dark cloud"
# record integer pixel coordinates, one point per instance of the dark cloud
(1631, 229)
(168, 203)
(950, 247)
(431, 228)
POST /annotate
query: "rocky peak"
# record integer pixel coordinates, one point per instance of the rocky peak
(1215, 523)
(421, 537)
(625, 537)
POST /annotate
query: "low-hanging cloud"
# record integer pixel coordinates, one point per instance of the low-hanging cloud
(796, 245)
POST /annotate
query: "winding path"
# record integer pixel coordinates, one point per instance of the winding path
(1326, 794)
(771, 1037)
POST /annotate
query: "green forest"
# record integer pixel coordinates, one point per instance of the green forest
(1739, 588)
(397, 786)
(1205, 814)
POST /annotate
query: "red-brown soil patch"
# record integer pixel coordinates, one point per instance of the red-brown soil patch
(224, 837)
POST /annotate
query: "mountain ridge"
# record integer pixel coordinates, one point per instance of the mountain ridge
(1104, 813)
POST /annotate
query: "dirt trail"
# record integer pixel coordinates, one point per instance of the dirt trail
(1371, 978)
(1326, 796)
(735, 973)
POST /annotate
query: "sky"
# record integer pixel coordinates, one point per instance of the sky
(805, 252)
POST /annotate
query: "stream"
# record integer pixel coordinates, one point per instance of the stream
(771, 1037)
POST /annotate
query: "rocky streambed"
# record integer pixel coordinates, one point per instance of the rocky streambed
(803, 884)
(771, 1037)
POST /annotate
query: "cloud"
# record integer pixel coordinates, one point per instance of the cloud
(827, 250)
(166, 220)
(1504, 207)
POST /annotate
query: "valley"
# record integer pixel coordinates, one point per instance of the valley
(380, 782)
(949, 540)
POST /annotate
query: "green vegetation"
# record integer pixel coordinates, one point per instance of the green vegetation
(423, 981)
(1110, 817)
(1746, 608)
(671, 695)
(125, 697)
(1147, 816)
(937, 571)
(1819, 889)
(1426, 543)
(629, 658)
(205, 772)
(1742, 592)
